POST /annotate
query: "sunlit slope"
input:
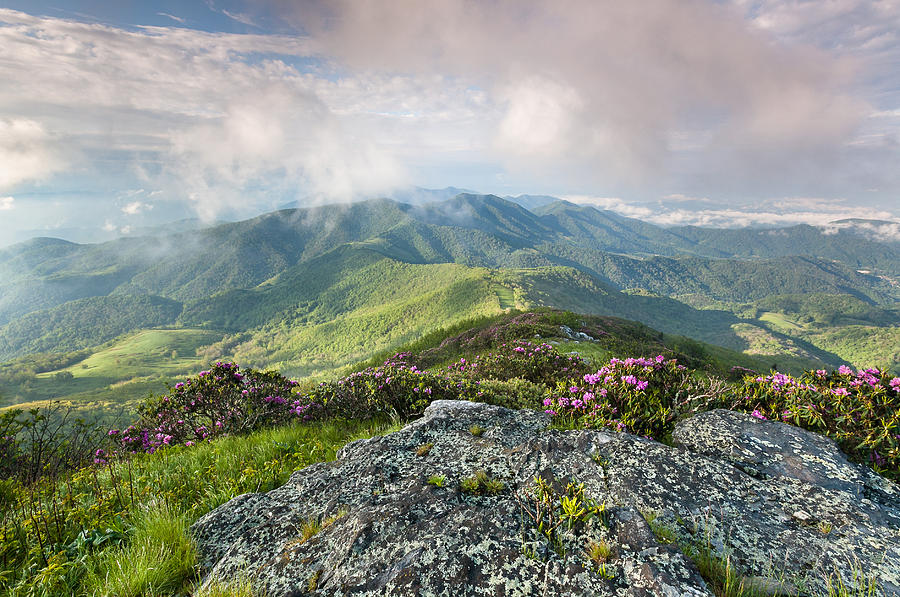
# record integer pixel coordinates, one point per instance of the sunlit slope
(314, 321)
(852, 329)
(313, 289)
(83, 323)
(113, 374)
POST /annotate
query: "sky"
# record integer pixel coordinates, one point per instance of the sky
(118, 116)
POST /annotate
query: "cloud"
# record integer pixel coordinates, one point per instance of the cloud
(278, 133)
(787, 211)
(239, 17)
(599, 89)
(173, 17)
(27, 152)
(724, 100)
(881, 231)
(135, 207)
(7, 203)
(222, 120)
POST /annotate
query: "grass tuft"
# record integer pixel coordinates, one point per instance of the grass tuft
(481, 484)
(437, 480)
(159, 559)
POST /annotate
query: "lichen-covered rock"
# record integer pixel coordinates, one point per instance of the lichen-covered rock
(405, 514)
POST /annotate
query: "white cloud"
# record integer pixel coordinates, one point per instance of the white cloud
(614, 98)
(278, 133)
(882, 231)
(787, 211)
(136, 207)
(240, 17)
(173, 17)
(7, 203)
(198, 115)
(27, 152)
(595, 91)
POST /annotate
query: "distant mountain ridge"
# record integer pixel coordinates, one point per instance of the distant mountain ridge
(306, 265)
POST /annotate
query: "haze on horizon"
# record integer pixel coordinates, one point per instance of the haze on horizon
(735, 112)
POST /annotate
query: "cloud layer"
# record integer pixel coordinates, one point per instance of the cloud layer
(739, 101)
(613, 91)
(787, 211)
(27, 153)
(222, 120)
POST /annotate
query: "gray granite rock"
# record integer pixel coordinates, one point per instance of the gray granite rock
(782, 504)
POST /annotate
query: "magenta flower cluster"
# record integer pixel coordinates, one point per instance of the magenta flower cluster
(634, 394)
(222, 400)
(860, 409)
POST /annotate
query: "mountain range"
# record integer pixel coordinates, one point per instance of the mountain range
(310, 290)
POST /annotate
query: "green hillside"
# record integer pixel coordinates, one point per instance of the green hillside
(851, 329)
(109, 376)
(84, 322)
(322, 316)
(312, 290)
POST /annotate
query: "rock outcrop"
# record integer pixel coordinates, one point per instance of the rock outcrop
(449, 506)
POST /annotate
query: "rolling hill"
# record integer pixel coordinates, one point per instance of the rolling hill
(312, 290)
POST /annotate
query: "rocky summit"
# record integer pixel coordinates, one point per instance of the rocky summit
(474, 499)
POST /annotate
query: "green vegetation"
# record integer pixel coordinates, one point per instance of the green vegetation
(109, 379)
(90, 533)
(304, 290)
(561, 517)
(85, 531)
(437, 480)
(481, 483)
(811, 325)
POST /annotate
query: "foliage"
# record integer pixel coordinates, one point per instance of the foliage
(158, 558)
(436, 480)
(222, 400)
(84, 322)
(395, 389)
(118, 522)
(512, 393)
(640, 395)
(535, 363)
(481, 483)
(45, 442)
(562, 516)
(858, 409)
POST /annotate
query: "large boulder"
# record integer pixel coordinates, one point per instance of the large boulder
(781, 505)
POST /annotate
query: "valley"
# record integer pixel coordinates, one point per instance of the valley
(311, 291)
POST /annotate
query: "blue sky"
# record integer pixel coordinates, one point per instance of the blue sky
(119, 115)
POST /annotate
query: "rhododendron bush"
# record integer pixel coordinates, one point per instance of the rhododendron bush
(858, 409)
(224, 399)
(395, 389)
(639, 395)
(537, 363)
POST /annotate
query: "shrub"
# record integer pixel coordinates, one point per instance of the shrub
(395, 389)
(537, 363)
(512, 393)
(643, 396)
(222, 400)
(45, 442)
(860, 410)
